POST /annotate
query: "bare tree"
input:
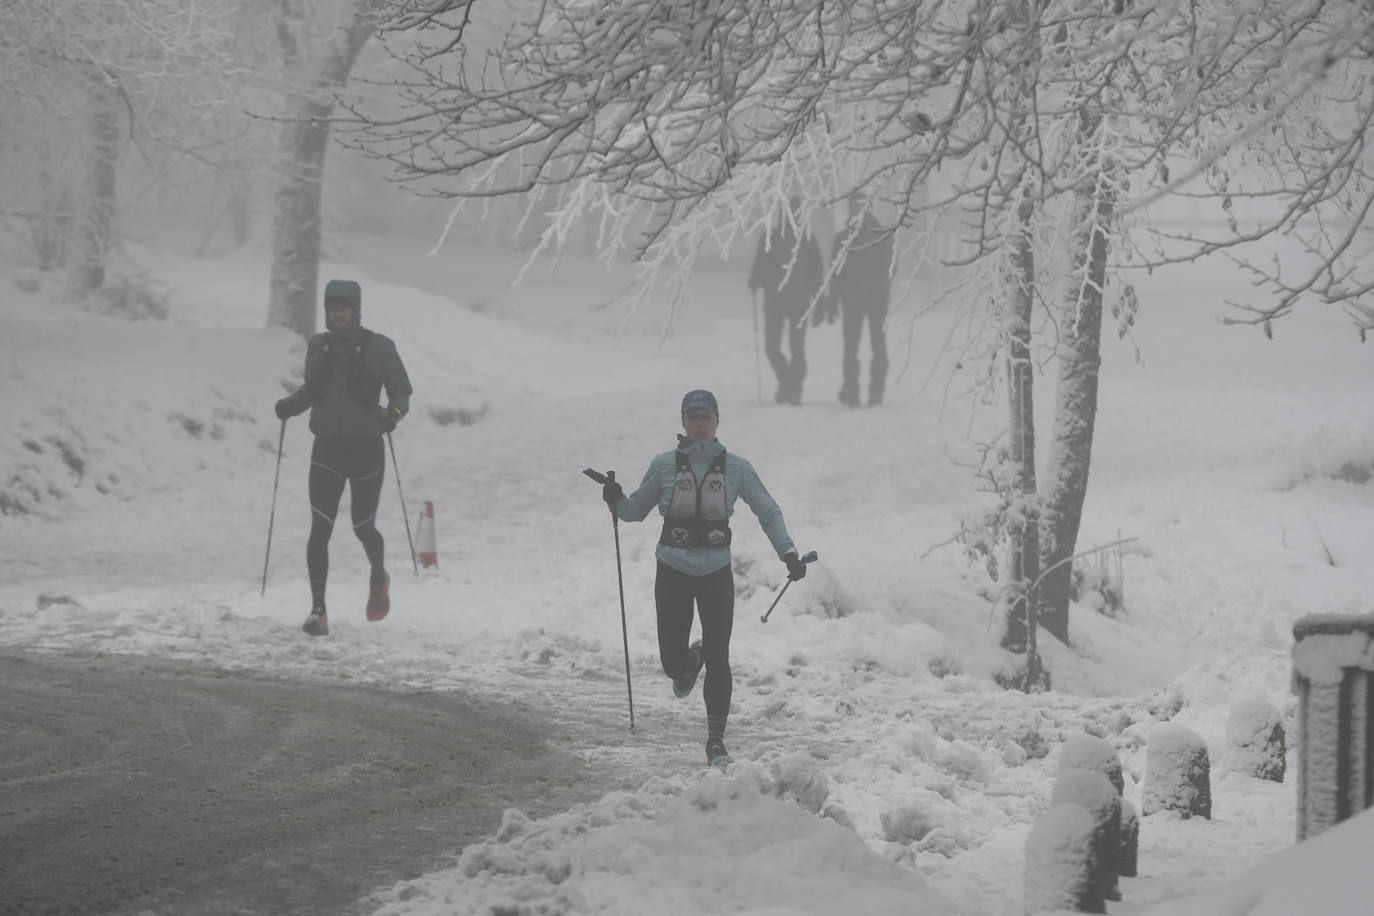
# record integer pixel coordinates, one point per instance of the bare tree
(1291, 160)
(1043, 127)
(319, 44)
(87, 82)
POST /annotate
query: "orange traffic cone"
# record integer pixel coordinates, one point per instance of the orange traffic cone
(429, 556)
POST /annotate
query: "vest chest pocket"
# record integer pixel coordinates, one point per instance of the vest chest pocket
(697, 516)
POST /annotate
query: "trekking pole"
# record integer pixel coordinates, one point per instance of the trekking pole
(397, 470)
(758, 373)
(603, 479)
(808, 558)
(271, 519)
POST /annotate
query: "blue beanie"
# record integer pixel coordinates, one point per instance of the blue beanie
(700, 397)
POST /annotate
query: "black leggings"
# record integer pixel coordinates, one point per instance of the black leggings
(360, 462)
(714, 595)
(790, 369)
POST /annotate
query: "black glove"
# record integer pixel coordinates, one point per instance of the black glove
(389, 416)
(612, 492)
(796, 569)
(284, 410)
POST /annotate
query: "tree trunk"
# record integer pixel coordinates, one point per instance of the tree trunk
(94, 229)
(1024, 550)
(1079, 353)
(296, 219)
(238, 191)
(51, 226)
(1019, 283)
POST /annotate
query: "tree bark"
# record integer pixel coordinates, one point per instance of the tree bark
(296, 218)
(94, 230)
(51, 226)
(1079, 354)
(1019, 284)
(1024, 551)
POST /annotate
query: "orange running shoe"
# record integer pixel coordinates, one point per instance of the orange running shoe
(378, 599)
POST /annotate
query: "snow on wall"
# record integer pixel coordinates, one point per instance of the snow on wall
(1321, 658)
(1333, 661)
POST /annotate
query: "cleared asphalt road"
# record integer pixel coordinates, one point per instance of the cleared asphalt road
(135, 786)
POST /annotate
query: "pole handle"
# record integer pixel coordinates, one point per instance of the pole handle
(603, 479)
(809, 557)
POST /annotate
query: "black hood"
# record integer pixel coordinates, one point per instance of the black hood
(346, 290)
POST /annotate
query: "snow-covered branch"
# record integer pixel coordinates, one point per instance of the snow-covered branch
(700, 119)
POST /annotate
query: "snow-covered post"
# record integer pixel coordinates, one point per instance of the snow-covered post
(1178, 773)
(1088, 752)
(1255, 741)
(1060, 872)
(1096, 794)
(1128, 852)
(1333, 659)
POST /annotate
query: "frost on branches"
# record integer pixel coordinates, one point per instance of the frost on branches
(1042, 135)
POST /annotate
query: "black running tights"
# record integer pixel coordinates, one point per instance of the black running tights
(714, 596)
(360, 462)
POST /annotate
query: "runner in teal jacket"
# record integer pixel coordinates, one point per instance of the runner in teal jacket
(695, 487)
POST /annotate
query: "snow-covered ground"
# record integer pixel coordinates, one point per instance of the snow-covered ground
(880, 770)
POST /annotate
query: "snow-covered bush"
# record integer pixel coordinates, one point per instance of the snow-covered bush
(798, 777)
(826, 595)
(966, 761)
(1177, 772)
(1095, 794)
(463, 415)
(1097, 583)
(1060, 865)
(907, 824)
(1255, 741)
(28, 280)
(129, 293)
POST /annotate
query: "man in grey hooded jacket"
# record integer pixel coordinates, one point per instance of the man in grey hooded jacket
(346, 369)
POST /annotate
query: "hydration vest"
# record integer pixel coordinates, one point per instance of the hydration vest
(697, 516)
(363, 387)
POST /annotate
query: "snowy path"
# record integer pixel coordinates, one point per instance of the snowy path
(131, 785)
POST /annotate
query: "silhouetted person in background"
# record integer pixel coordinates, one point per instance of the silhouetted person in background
(789, 270)
(860, 289)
